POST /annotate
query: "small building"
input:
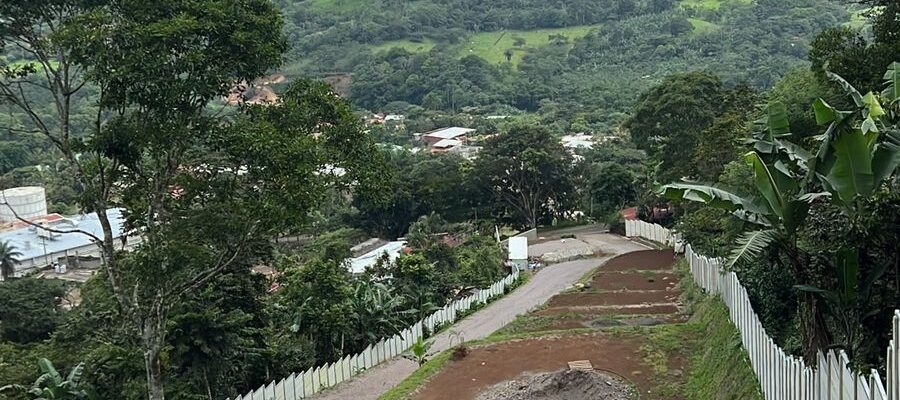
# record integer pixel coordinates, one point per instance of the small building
(41, 248)
(393, 250)
(455, 133)
(518, 252)
(446, 145)
(579, 141)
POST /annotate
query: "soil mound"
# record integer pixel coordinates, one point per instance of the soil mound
(562, 385)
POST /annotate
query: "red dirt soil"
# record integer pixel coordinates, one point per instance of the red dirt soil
(641, 260)
(634, 281)
(612, 298)
(607, 311)
(490, 365)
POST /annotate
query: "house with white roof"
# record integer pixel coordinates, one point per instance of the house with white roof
(453, 133)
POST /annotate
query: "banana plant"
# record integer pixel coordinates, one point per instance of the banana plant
(779, 208)
(51, 385)
(859, 152)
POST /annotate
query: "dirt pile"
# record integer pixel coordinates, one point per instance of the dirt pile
(562, 385)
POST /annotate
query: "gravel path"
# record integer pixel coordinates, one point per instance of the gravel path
(548, 282)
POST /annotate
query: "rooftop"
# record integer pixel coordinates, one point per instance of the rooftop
(578, 141)
(392, 249)
(445, 143)
(449, 133)
(32, 245)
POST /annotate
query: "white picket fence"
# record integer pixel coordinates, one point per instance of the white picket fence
(782, 376)
(306, 384)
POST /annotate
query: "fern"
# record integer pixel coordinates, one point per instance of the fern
(750, 246)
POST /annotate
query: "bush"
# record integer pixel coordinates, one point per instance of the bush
(29, 309)
(460, 352)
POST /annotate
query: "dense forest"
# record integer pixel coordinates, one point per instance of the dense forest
(769, 127)
(591, 60)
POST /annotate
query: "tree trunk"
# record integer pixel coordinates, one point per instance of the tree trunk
(152, 337)
(813, 331)
(154, 372)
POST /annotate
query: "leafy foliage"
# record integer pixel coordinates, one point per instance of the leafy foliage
(529, 172)
(29, 309)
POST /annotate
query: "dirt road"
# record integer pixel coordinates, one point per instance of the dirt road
(548, 282)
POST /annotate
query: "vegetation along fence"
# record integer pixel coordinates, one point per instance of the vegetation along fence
(781, 375)
(306, 384)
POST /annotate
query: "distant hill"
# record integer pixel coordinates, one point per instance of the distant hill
(595, 54)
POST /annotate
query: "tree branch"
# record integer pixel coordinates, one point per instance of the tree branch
(48, 229)
(209, 273)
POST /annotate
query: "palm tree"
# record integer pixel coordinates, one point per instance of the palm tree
(8, 260)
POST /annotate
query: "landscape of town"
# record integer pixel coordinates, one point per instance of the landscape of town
(450, 199)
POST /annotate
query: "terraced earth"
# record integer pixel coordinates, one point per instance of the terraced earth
(633, 318)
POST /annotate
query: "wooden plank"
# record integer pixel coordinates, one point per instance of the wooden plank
(583, 365)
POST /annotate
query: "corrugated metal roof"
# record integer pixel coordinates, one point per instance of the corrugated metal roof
(27, 241)
(392, 249)
(444, 143)
(449, 133)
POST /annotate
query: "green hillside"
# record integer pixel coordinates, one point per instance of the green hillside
(570, 58)
(492, 46)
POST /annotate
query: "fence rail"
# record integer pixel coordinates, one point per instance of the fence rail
(305, 384)
(782, 376)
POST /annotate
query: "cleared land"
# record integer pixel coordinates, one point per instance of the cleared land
(408, 45)
(338, 5)
(492, 46)
(710, 4)
(701, 26)
(653, 347)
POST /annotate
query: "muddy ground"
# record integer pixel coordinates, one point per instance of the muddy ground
(562, 385)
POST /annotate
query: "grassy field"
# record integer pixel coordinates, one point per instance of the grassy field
(408, 45)
(23, 63)
(858, 19)
(710, 4)
(337, 5)
(701, 26)
(492, 45)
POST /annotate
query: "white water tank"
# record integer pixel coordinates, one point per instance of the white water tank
(27, 201)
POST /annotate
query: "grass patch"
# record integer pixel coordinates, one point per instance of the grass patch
(701, 26)
(710, 4)
(337, 5)
(412, 382)
(858, 19)
(531, 324)
(719, 366)
(408, 45)
(24, 63)
(491, 46)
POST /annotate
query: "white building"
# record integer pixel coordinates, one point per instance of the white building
(41, 248)
(518, 252)
(579, 141)
(26, 202)
(393, 250)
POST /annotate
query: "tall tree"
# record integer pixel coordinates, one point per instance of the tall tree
(206, 193)
(669, 116)
(529, 171)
